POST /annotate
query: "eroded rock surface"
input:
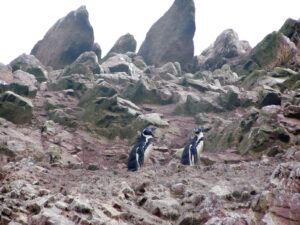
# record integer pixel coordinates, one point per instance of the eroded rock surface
(66, 40)
(175, 44)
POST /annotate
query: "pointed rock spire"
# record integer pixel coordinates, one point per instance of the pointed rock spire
(170, 39)
(66, 40)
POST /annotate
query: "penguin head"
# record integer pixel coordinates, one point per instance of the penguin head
(147, 132)
(197, 130)
(198, 133)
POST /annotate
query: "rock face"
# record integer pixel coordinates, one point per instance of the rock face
(225, 50)
(66, 40)
(30, 64)
(5, 74)
(86, 63)
(124, 44)
(15, 108)
(20, 82)
(291, 29)
(175, 43)
(58, 135)
(276, 49)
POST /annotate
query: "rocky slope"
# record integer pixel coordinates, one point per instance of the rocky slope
(66, 131)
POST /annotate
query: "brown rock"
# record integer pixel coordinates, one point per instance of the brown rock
(170, 39)
(66, 40)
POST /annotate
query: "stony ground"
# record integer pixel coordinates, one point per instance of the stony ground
(32, 193)
(73, 176)
(86, 182)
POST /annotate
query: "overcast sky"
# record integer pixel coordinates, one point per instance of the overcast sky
(25, 22)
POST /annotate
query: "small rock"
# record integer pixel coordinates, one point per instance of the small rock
(81, 206)
(61, 205)
(92, 167)
(178, 189)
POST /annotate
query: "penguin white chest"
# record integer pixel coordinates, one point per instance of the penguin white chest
(147, 152)
(199, 148)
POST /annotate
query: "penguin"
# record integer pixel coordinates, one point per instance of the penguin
(191, 152)
(141, 151)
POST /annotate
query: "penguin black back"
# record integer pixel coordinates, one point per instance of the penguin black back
(192, 150)
(141, 151)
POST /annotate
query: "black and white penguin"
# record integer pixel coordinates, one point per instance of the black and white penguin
(141, 151)
(191, 152)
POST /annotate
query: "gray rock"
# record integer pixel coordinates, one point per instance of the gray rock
(124, 44)
(97, 49)
(175, 44)
(225, 49)
(168, 208)
(292, 111)
(113, 116)
(121, 63)
(78, 82)
(274, 50)
(62, 117)
(20, 82)
(66, 40)
(15, 108)
(150, 92)
(24, 83)
(139, 62)
(231, 99)
(86, 63)
(169, 68)
(225, 75)
(196, 104)
(269, 96)
(6, 76)
(30, 64)
(51, 216)
(81, 205)
(291, 29)
(153, 119)
(12, 148)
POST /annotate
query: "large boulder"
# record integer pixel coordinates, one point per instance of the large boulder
(147, 91)
(97, 49)
(291, 29)
(15, 108)
(113, 116)
(170, 39)
(78, 82)
(66, 40)
(30, 64)
(5, 74)
(121, 63)
(124, 44)
(226, 49)
(20, 82)
(195, 104)
(24, 83)
(280, 204)
(268, 96)
(86, 63)
(274, 50)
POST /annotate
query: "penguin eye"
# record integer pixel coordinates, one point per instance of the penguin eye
(197, 130)
(147, 132)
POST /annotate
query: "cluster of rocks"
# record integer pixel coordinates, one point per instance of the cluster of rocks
(68, 119)
(222, 191)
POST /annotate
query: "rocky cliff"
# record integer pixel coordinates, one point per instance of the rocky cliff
(66, 40)
(170, 39)
(66, 132)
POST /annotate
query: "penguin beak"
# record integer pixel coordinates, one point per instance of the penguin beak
(153, 129)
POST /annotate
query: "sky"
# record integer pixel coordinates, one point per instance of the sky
(24, 23)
